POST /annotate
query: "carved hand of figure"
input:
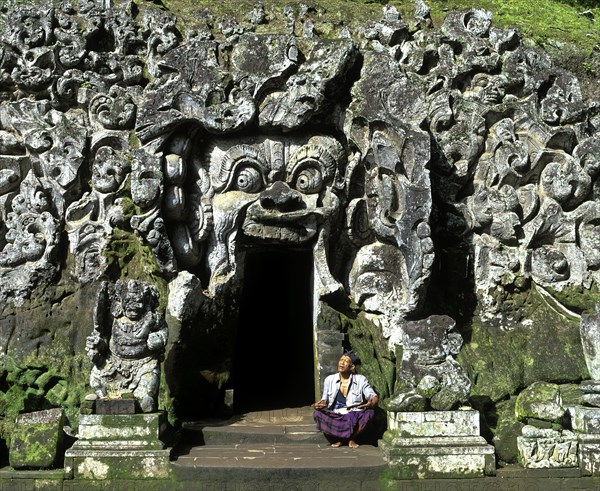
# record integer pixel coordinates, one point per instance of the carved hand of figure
(155, 341)
(95, 346)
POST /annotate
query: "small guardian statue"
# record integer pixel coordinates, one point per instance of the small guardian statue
(128, 342)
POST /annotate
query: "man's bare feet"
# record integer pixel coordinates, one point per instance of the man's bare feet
(353, 444)
(336, 444)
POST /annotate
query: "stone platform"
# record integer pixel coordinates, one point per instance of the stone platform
(298, 458)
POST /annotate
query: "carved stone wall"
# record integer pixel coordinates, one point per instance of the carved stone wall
(446, 170)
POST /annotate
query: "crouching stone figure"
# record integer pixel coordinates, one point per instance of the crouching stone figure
(128, 342)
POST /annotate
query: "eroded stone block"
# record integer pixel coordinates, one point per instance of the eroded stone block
(36, 439)
(440, 458)
(585, 420)
(547, 449)
(119, 447)
(589, 456)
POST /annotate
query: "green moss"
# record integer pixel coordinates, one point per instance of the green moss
(64, 383)
(542, 344)
(166, 402)
(35, 445)
(368, 343)
(129, 258)
(506, 429)
(536, 393)
(578, 299)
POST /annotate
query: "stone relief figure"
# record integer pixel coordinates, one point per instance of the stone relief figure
(90, 220)
(428, 376)
(28, 237)
(127, 343)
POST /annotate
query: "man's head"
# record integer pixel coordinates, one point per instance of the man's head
(347, 362)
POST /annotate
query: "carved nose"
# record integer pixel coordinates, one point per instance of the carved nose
(280, 197)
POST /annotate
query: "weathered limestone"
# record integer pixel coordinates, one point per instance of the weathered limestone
(133, 157)
(585, 420)
(37, 439)
(586, 426)
(119, 447)
(547, 449)
(541, 401)
(437, 444)
(590, 339)
(552, 447)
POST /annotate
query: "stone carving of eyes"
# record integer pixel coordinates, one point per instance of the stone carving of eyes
(309, 180)
(247, 179)
(241, 169)
(313, 165)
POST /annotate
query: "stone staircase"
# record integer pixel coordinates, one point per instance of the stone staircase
(276, 450)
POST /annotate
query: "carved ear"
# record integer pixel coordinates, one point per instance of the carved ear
(357, 222)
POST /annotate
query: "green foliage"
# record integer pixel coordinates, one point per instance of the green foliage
(543, 20)
(40, 382)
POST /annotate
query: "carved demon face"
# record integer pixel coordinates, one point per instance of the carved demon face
(284, 185)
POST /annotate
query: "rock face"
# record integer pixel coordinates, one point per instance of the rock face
(431, 174)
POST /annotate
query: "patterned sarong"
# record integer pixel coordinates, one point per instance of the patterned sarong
(342, 425)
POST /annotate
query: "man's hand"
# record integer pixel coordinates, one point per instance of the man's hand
(320, 405)
(371, 403)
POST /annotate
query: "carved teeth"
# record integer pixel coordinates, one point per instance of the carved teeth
(281, 234)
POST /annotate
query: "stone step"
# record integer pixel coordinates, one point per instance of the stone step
(203, 434)
(275, 427)
(300, 463)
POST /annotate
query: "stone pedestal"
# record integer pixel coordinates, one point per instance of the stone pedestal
(437, 444)
(585, 422)
(120, 446)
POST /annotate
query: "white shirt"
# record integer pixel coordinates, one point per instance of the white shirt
(359, 389)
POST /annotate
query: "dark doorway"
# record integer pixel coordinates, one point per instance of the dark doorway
(274, 365)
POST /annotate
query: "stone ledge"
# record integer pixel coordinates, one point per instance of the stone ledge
(117, 464)
(435, 423)
(448, 445)
(140, 429)
(120, 444)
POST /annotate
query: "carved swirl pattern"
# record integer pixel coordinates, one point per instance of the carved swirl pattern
(121, 122)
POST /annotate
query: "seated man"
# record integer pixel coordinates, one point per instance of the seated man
(346, 406)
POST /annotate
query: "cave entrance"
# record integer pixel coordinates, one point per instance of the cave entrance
(274, 361)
